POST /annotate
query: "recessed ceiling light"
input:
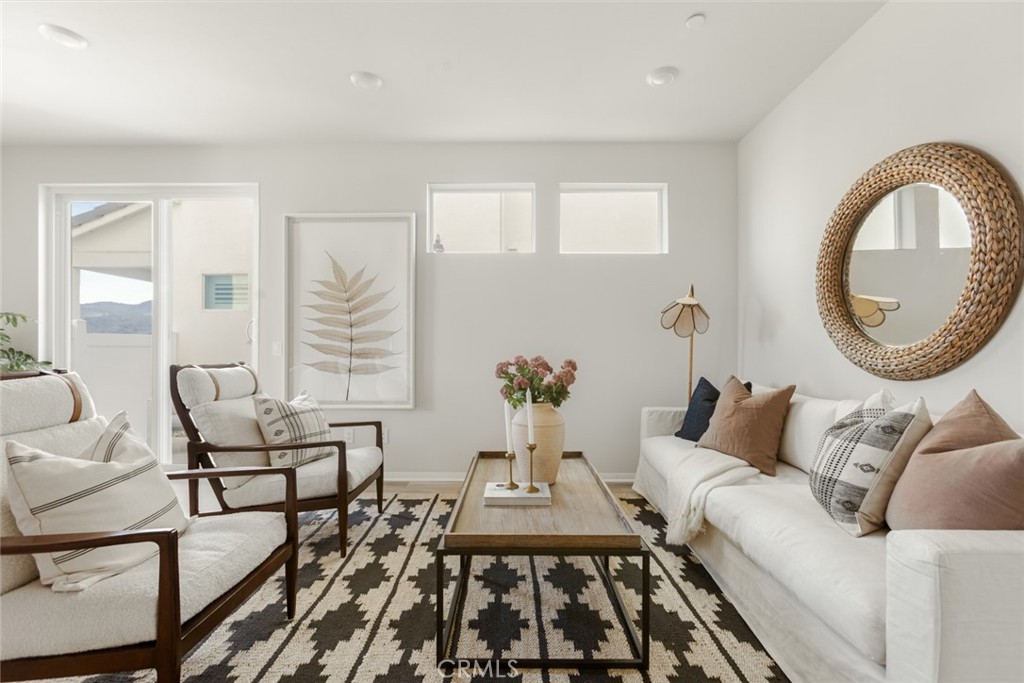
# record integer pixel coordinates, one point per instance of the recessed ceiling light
(696, 20)
(366, 80)
(662, 75)
(63, 37)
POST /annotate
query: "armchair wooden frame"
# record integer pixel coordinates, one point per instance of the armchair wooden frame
(174, 640)
(200, 455)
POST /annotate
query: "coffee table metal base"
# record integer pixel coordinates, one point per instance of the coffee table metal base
(639, 642)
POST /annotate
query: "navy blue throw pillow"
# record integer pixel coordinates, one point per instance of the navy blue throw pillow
(702, 407)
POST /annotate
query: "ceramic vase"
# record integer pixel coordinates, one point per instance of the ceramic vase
(549, 430)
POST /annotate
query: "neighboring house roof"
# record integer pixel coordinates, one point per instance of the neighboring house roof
(95, 213)
(104, 214)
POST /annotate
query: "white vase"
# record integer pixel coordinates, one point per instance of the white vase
(549, 431)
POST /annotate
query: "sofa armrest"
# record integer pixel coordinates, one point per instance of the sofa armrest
(954, 606)
(660, 421)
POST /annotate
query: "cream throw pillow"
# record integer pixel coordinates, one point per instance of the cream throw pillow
(115, 484)
(296, 421)
(861, 457)
(748, 426)
(231, 422)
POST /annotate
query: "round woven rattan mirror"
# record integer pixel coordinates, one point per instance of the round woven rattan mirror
(993, 208)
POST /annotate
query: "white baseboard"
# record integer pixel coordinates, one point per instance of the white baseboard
(617, 477)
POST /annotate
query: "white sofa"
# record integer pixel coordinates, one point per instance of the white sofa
(897, 606)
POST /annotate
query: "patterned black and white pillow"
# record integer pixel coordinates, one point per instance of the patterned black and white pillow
(296, 421)
(861, 457)
(115, 484)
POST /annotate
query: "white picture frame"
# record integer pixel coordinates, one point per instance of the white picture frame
(351, 308)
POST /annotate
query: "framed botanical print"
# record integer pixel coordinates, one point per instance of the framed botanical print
(351, 308)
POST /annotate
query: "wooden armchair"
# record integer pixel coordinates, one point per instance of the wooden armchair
(105, 628)
(215, 406)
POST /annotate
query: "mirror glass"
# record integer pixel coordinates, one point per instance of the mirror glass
(908, 264)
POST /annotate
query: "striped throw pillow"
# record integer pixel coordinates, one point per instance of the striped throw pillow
(296, 421)
(115, 484)
(861, 457)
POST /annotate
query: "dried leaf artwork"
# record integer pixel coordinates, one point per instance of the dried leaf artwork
(349, 307)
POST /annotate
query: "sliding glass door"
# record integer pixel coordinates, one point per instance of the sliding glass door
(139, 278)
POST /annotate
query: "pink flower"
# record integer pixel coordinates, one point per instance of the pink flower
(570, 364)
(540, 365)
(502, 368)
(568, 377)
(520, 383)
(520, 360)
(504, 393)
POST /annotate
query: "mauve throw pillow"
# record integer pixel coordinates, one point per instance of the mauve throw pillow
(967, 473)
(701, 408)
(748, 426)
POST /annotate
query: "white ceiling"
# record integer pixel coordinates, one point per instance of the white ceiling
(268, 72)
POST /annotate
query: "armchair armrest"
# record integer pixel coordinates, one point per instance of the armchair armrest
(660, 421)
(291, 497)
(954, 606)
(207, 447)
(52, 543)
(376, 424)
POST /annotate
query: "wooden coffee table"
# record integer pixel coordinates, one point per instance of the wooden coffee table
(584, 519)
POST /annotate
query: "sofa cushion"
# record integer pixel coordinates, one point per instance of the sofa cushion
(296, 421)
(115, 484)
(806, 422)
(214, 555)
(838, 577)
(231, 422)
(314, 480)
(66, 439)
(748, 426)
(862, 456)
(663, 454)
(971, 461)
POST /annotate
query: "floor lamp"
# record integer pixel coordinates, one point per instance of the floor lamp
(685, 317)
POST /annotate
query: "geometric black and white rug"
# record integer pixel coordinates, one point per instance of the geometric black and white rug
(369, 617)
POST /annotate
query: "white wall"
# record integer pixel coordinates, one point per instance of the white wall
(209, 236)
(472, 310)
(914, 73)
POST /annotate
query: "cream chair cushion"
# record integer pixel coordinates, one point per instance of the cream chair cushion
(231, 422)
(220, 402)
(316, 479)
(216, 554)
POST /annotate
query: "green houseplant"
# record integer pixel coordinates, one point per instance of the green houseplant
(12, 359)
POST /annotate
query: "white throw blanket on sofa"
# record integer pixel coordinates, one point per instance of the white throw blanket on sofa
(698, 473)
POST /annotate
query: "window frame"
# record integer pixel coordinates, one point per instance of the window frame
(660, 188)
(490, 188)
